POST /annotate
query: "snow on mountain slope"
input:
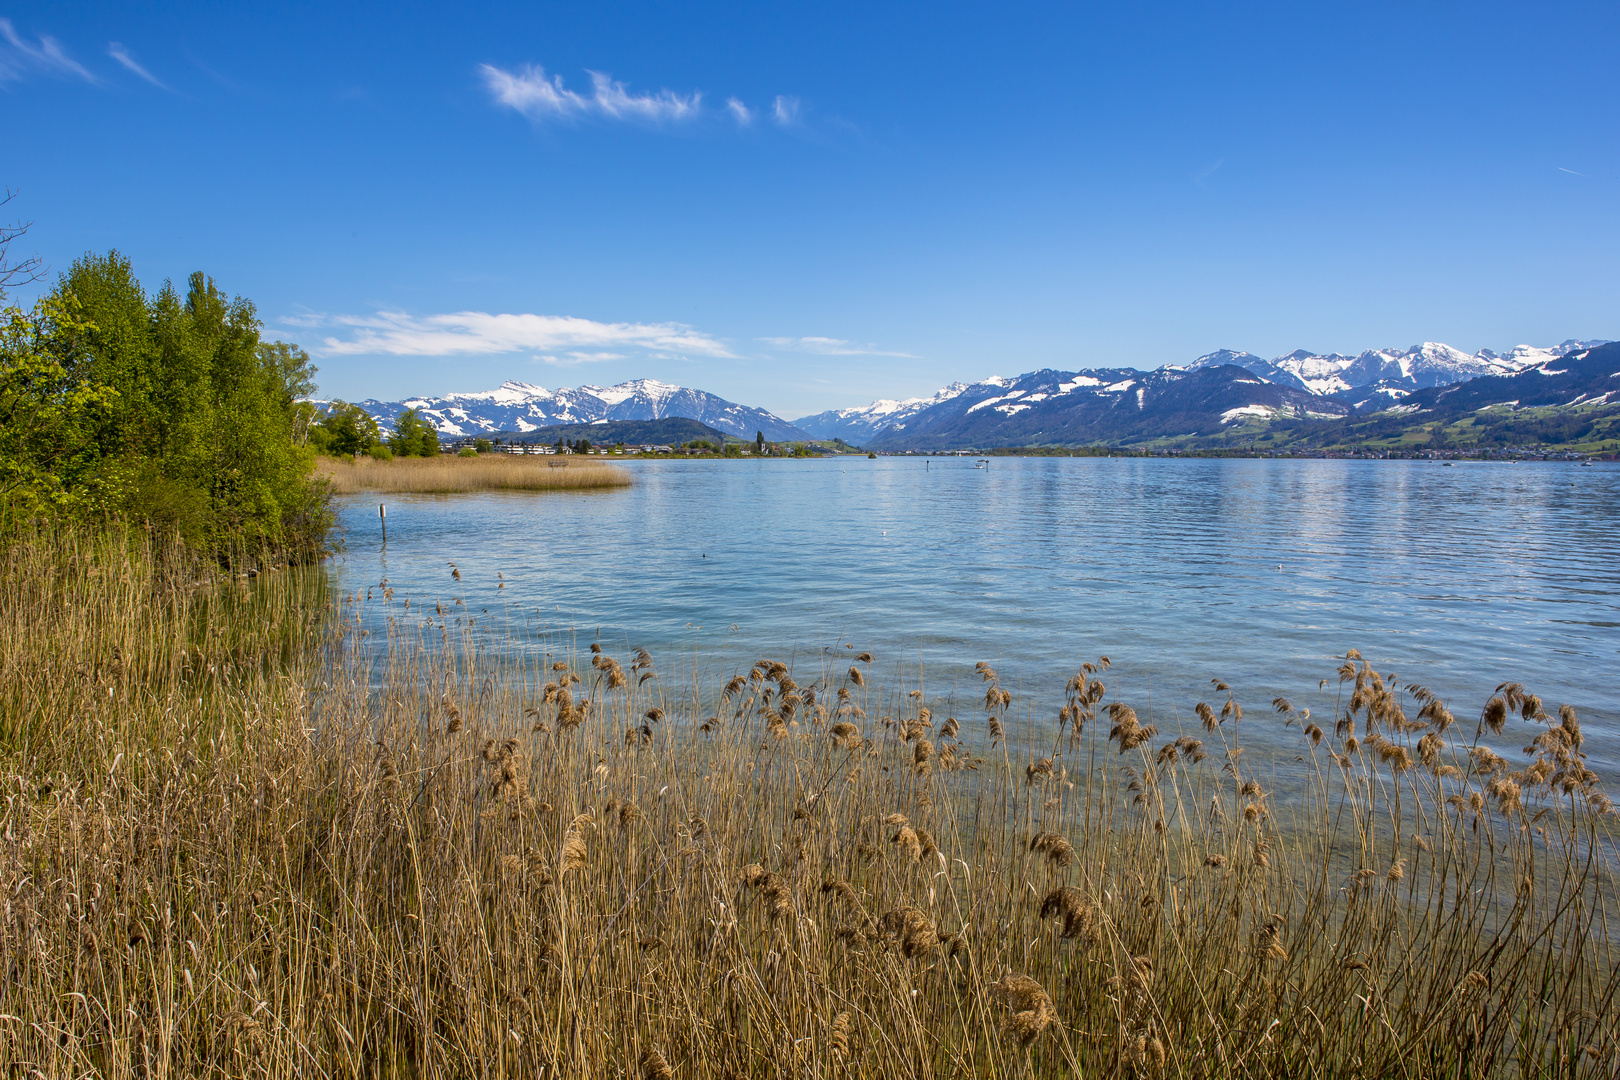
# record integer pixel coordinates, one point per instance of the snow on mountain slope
(1233, 388)
(1112, 405)
(860, 424)
(519, 406)
(1384, 375)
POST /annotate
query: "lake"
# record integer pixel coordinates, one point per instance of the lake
(1260, 573)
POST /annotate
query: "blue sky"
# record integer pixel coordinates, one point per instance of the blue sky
(803, 206)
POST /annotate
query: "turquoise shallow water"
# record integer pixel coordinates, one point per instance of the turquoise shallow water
(1260, 573)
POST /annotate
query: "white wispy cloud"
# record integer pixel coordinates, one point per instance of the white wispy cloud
(121, 54)
(47, 56)
(785, 110)
(826, 346)
(539, 96)
(574, 359)
(555, 338)
(743, 114)
(1206, 172)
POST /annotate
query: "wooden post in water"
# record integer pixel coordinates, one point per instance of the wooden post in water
(382, 514)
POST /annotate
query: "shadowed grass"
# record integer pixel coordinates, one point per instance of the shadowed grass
(449, 474)
(411, 853)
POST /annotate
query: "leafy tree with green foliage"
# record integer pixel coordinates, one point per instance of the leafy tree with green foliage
(482, 446)
(166, 409)
(345, 431)
(413, 436)
(759, 442)
(47, 417)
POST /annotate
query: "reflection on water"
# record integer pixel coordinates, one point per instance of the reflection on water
(1258, 572)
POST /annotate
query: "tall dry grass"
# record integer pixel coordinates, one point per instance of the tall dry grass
(408, 854)
(448, 474)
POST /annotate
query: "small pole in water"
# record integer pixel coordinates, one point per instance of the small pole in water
(382, 514)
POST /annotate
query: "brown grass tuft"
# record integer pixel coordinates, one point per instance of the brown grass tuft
(448, 474)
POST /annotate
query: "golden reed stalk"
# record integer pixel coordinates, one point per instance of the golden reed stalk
(449, 474)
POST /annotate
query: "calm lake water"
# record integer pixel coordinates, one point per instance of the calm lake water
(1260, 573)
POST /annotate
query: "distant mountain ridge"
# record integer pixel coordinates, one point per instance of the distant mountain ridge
(1572, 399)
(1101, 405)
(1380, 377)
(1088, 406)
(670, 431)
(525, 407)
(1227, 395)
(857, 425)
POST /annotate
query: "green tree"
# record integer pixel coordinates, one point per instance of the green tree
(162, 409)
(413, 436)
(759, 442)
(482, 446)
(47, 416)
(346, 430)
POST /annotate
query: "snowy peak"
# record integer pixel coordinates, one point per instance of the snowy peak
(1390, 373)
(520, 406)
(1110, 405)
(860, 424)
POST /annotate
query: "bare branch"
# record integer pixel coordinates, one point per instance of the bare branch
(28, 270)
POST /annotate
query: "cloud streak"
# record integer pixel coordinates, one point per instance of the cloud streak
(826, 346)
(121, 54)
(785, 110)
(530, 91)
(48, 56)
(559, 339)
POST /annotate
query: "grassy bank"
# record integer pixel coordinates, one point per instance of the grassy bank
(226, 853)
(487, 472)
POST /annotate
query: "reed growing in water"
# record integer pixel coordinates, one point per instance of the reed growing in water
(404, 854)
(448, 474)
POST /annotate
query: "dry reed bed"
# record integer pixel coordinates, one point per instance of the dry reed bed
(450, 474)
(406, 855)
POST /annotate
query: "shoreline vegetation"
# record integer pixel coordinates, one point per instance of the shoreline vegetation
(253, 827)
(450, 474)
(270, 830)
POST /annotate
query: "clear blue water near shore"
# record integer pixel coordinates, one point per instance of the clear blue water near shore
(1260, 573)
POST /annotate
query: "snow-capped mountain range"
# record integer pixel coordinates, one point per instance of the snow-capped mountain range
(1102, 405)
(859, 424)
(1220, 392)
(519, 406)
(1372, 380)
(1379, 377)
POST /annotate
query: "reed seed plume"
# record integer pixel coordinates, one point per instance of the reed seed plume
(655, 1067)
(572, 856)
(1031, 1012)
(838, 1039)
(1057, 849)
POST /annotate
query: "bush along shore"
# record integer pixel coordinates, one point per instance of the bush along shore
(273, 831)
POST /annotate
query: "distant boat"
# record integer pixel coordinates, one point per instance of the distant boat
(1586, 464)
(1448, 464)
